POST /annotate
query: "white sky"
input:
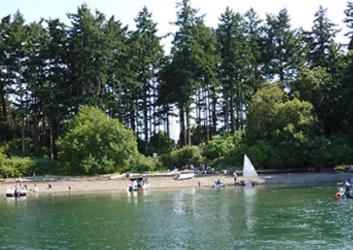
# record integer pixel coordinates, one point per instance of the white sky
(163, 12)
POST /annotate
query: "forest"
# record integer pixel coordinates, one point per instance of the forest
(94, 97)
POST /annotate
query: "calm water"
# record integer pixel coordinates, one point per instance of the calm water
(234, 218)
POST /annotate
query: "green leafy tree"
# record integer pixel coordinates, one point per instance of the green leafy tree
(283, 129)
(97, 144)
(319, 87)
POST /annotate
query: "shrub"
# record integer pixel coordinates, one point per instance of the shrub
(96, 144)
(219, 146)
(182, 157)
(17, 166)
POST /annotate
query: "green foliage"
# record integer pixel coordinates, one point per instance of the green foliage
(219, 146)
(144, 164)
(183, 157)
(281, 132)
(160, 143)
(17, 166)
(96, 144)
(2, 156)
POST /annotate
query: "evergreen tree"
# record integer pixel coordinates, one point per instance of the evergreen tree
(147, 58)
(35, 80)
(87, 55)
(16, 44)
(282, 48)
(181, 76)
(349, 22)
(254, 37)
(59, 93)
(234, 70)
(323, 49)
(118, 69)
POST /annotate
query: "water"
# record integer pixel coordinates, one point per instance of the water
(234, 218)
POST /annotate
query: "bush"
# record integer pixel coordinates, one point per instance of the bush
(219, 146)
(182, 157)
(96, 144)
(160, 143)
(17, 166)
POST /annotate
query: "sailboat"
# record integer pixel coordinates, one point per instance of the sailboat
(248, 168)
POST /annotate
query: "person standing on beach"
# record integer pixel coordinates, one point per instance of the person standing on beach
(235, 176)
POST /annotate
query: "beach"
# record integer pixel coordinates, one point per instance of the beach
(60, 184)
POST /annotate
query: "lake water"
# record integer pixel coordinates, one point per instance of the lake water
(233, 218)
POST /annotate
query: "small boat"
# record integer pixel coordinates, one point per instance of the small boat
(137, 184)
(17, 191)
(218, 185)
(245, 183)
(345, 191)
(184, 176)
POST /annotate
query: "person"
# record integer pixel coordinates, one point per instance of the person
(49, 186)
(347, 190)
(199, 183)
(235, 176)
(35, 188)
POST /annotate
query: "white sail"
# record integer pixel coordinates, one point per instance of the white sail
(248, 168)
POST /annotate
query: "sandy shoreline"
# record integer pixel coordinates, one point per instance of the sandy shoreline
(101, 184)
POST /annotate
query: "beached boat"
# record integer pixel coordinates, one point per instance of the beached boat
(17, 191)
(137, 184)
(184, 176)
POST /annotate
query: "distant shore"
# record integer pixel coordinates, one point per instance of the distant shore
(105, 183)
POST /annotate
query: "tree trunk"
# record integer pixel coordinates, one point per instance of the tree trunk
(188, 132)
(145, 118)
(3, 116)
(214, 109)
(23, 145)
(182, 126)
(35, 135)
(232, 117)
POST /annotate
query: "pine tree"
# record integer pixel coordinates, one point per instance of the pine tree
(282, 48)
(181, 77)
(254, 38)
(147, 58)
(323, 49)
(349, 22)
(87, 64)
(234, 70)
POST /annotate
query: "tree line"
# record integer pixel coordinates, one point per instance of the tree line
(275, 83)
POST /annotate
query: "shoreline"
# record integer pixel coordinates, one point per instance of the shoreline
(85, 184)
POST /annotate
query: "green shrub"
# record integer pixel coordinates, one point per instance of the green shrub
(2, 156)
(17, 166)
(219, 146)
(96, 144)
(182, 157)
(44, 166)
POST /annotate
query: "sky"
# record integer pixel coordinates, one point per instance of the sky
(164, 12)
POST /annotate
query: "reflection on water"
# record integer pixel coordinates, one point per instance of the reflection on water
(233, 218)
(250, 199)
